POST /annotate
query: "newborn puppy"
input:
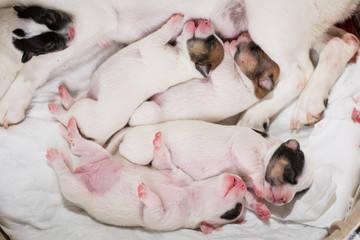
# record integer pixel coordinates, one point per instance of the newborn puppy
(136, 73)
(29, 31)
(115, 191)
(275, 170)
(225, 93)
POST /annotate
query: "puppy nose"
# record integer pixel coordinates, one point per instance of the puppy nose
(242, 184)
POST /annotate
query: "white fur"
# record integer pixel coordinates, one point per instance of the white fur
(204, 149)
(226, 93)
(133, 75)
(124, 21)
(286, 31)
(117, 192)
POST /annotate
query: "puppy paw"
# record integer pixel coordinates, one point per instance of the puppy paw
(53, 154)
(263, 212)
(66, 100)
(256, 119)
(142, 191)
(176, 18)
(308, 111)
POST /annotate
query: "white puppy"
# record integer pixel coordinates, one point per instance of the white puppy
(28, 32)
(137, 72)
(286, 31)
(117, 192)
(124, 21)
(275, 170)
(225, 93)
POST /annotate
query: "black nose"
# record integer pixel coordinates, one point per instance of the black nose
(233, 213)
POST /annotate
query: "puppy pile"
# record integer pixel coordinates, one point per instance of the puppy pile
(149, 148)
(176, 154)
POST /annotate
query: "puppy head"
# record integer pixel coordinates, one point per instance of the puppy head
(256, 65)
(205, 48)
(42, 31)
(220, 200)
(284, 173)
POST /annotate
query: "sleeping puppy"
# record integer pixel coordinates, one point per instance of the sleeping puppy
(29, 31)
(225, 93)
(287, 38)
(275, 170)
(139, 71)
(117, 192)
(123, 21)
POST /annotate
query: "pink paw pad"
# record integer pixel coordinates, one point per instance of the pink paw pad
(63, 93)
(53, 108)
(141, 190)
(72, 128)
(52, 154)
(233, 46)
(176, 18)
(157, 141)
(263, 213)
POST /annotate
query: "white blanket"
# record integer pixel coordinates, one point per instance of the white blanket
(31, 206)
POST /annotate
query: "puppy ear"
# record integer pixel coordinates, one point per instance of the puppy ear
(18, 9)
(292, 144)
(27, 56)
(206, 228)
(266, 82)
(204, 69)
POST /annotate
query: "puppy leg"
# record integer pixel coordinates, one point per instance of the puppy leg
(162, 159)
(167, 31)
(66, 100)
(336, 49)
(89, 151)
(153, 208)
(257, 205)
(71, 186)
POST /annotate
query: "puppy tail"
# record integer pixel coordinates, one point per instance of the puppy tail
(147, 113)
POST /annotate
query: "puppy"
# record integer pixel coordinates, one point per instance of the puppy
(225, 93)
(123, 21)
(117, 192)
(30, 31)
(287, 38)
(139, 71)
(275, 170)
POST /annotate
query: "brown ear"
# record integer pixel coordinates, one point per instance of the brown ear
(292, 144)
(206, 228)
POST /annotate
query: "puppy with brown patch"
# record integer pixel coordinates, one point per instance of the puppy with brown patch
(225, 93)
(136, 73)
(30, 31)
(275, 170)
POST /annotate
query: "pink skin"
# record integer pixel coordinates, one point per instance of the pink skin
(277, 195)
(203, 26)
(233, 183)
(71, 33)
(66, 99)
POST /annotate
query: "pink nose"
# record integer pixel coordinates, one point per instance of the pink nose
(242, 184)
(71, 33)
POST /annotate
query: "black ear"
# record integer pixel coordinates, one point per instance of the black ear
(204, 69)
(289, 175)
(27, 56)
(292, 144)
(18, 9)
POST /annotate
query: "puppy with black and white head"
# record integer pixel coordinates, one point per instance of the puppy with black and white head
(27, 32)
(139, 71)
(275, 170)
